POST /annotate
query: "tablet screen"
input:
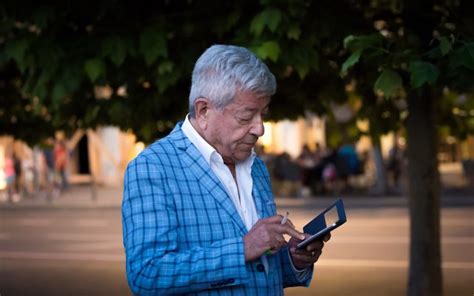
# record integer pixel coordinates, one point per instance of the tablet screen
(325, 222)
(331, 217)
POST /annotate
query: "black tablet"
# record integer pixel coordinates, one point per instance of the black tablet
(325, 222)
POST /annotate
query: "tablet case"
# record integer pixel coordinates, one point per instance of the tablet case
(319, 223)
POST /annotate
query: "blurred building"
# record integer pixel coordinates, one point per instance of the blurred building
(289, 136)
(101, 155)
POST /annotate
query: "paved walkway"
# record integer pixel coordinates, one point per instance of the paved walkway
(80, 196)
(77, 196)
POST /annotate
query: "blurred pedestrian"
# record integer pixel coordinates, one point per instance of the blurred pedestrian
(10, 176)
(394, 164)
(350, 161)
(307, 162)
(287, 175)
(17, 164)
(61, 159)
(51, 184)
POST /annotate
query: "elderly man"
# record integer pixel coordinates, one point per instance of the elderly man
(198, 211)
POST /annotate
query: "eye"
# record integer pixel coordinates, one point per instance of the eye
(245, 119)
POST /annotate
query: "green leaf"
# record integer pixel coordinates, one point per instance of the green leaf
(270, 50)
(165, 67)
(153, 44)
(273, 18)
(293, 32)
(25, 63)
(388, 82)
(422, 72)
(348, 40)
(91, 115)
(257, 25)
(351, 61)
(445, 45)
(40, 91)
(354, 43)
(303, 59)
(118, 111)
(58, 93)
(166, 81)
(94, 69)
(16, 49)
(269, 18)
(115, 48)
(463, 56)
(469, 55)
(302, 70)
(72, 77)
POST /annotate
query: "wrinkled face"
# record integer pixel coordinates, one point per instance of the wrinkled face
(234, 130)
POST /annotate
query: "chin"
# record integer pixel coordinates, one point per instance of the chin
(241, 156)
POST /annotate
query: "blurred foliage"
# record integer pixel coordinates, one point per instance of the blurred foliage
(415, 45)
(57, 60)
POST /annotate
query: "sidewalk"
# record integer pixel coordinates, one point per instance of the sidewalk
(77, 196)
(80, 197)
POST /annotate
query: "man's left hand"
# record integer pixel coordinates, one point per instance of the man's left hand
(305, 258)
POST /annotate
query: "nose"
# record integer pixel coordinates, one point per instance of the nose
(257, 128)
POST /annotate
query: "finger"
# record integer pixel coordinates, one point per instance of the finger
(317, 245)
(280, 240)
(313, 255)
(327, 237)
(305, 251)
(307, 259)
(274, 248)
(286, 229)
(272, 220)
(276, 239)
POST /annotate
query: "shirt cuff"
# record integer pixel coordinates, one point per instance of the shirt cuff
(301, 274)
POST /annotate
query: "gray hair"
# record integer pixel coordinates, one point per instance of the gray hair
(222, 70)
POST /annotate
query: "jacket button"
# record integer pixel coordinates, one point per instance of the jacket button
(260, 267)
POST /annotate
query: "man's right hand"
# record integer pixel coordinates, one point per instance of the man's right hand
(267, 234)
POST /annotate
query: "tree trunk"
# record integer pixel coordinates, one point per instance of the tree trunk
(425, 275)
(380, 186)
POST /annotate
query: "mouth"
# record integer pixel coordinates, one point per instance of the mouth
(249, 144)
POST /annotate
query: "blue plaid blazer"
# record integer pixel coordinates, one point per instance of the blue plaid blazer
(182, 233)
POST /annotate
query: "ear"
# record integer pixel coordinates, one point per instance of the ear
(201, 108)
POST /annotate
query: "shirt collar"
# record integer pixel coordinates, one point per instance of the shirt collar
(207, 151)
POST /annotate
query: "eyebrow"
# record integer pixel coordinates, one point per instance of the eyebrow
(249, 109)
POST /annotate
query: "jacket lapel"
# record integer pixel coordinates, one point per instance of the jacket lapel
(193, 159)
(263, 202)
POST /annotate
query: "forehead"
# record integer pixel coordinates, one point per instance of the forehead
(249, 101)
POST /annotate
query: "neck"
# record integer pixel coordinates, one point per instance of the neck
(231, 165)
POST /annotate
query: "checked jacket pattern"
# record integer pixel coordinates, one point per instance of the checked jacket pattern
(182, 233)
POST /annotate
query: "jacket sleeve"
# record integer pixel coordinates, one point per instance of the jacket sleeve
(154, 264)
(292, 277)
